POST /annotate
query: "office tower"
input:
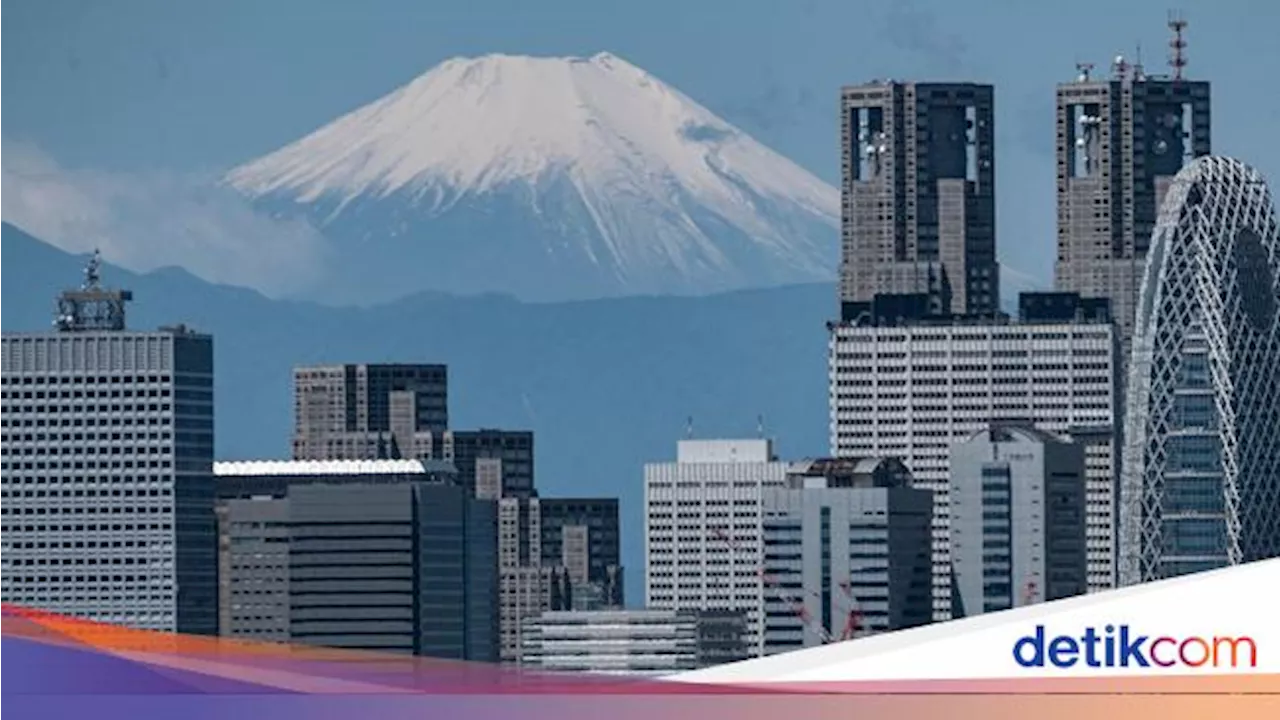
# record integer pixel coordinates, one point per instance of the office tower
(1017, 519)
(253, 530)
(554, 554)
(107, 438)
(625, 642)
(703, 546)
(1120, 141)
(365, 412)
(512, 448)
(849, 541)
(1201, 482)
(918, 165)
(407, 568)
(910, 386)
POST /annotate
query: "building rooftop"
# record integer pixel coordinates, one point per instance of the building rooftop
(725, 451)
(258, 468)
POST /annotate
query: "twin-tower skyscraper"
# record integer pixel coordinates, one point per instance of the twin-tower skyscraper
(919, 185)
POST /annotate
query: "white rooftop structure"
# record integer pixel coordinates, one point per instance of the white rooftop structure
(259, 468)
(724, 451)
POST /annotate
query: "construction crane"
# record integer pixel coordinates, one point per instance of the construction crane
(853, 620)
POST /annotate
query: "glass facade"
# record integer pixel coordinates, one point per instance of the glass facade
(1201, 471)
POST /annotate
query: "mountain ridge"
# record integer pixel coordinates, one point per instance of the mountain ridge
(606, 385)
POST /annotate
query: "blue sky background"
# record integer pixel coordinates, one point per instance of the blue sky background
(186, 86)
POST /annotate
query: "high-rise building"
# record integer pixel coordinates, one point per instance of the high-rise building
(911, 386)
(1120, 141)
(1201, 481)
(918, 192)
(253, 534)
(629, 642)
(849, 540)
(366, 412)
(509, 454)
(407, 568)
(1017, 519)
(703, 544)
(107, 435)
(583, 536)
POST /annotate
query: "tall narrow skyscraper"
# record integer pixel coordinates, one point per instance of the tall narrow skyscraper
(1120, 141)
(107, 437)
(918, 163)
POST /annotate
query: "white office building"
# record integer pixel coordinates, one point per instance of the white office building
(911, 388)
(703, 542)
(107, 436)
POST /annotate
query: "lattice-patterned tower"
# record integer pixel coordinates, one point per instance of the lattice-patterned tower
(1201, 476)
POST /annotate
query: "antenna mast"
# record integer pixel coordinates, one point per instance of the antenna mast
(91, 307)
(1177, 46)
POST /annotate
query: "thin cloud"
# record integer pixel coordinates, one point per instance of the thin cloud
(144, 221)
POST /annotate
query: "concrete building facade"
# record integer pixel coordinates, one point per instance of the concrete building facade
(850, 544)
(1120, 141)
(107, 436)
(918, 194)
(703, 543)
(366, 412)
(1017, 519)
(912, 386)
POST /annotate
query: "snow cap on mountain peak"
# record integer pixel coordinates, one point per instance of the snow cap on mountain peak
(472, 124)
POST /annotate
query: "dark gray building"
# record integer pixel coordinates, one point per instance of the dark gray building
(107, 436)
(583, 536)
(409, 568)
(1120, 141)
(253, 561)
(722, 637)
(1018, 528)
(512, 448)
(365, 412)
(918, 194)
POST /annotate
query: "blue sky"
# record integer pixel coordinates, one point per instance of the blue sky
(183, 86)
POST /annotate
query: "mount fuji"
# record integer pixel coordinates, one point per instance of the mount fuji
(547, 179)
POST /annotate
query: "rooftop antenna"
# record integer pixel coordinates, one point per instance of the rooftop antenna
(1119, 68)
(760, 425)
(1084, 68)
(92, 307)
(1139, 74)
(1177, 46)
(688, 428)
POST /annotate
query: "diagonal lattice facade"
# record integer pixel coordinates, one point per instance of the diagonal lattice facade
(1200, 484)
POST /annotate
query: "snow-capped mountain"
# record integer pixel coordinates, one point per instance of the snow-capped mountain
(548, 178)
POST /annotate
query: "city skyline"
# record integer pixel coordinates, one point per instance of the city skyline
(978, 457)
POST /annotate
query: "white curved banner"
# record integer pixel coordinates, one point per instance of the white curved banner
(1218, 622)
